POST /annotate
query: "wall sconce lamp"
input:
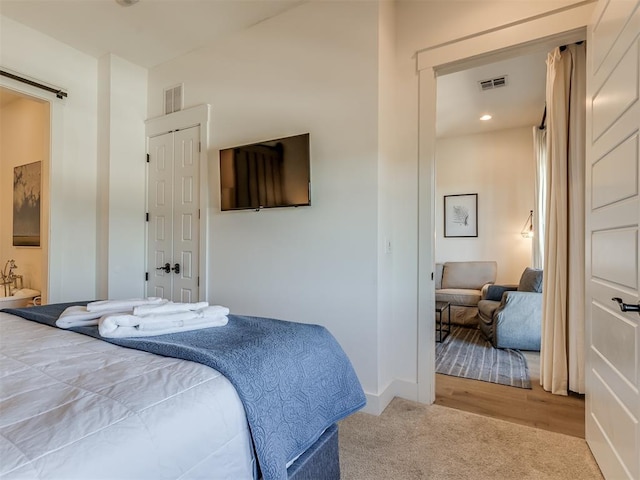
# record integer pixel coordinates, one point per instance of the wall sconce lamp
(527, 230)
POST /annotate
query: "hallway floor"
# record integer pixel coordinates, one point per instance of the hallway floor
(535, 407)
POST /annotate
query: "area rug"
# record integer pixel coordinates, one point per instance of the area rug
(465, 353)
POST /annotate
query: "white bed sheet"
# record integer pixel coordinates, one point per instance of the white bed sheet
(74, 407)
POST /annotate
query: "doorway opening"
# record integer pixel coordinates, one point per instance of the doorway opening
(497, 164)
(25, 150)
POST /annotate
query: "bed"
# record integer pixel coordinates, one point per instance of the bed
(74, 406)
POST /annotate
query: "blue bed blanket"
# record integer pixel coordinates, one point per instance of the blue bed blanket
(294, 379)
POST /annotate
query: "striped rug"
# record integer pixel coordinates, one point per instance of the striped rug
(465, 353)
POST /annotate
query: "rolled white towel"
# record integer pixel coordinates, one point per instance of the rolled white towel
(127, 325)
(169, 307)
(123, 305)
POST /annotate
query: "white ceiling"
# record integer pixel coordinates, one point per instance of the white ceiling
(147, 33)
(151, 32)
(520, 103)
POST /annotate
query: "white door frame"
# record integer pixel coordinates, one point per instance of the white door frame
(561, 26)
(190, 117)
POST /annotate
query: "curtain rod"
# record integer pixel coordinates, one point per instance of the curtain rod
(59, 92)
(564, 47)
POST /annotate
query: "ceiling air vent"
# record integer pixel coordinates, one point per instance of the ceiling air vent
(492, 83)
(172, 99)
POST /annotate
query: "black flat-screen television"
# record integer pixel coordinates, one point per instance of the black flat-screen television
(273, 173)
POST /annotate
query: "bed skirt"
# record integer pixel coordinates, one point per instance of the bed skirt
(319, 461)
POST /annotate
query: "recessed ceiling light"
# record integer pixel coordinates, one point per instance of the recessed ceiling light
(484, 118)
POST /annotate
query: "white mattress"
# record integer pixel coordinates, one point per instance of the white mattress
(74, 407)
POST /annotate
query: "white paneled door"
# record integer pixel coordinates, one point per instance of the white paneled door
(173, 208)
(613, 257)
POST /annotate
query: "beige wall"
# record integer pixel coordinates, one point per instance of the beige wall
(24, 138)
(499, 167)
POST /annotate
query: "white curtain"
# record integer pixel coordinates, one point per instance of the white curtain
(539, 207)
(562, 350)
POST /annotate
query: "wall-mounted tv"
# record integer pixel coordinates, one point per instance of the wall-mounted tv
(273, 173)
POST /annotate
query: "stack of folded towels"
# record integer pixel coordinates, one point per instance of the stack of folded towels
(143, 317)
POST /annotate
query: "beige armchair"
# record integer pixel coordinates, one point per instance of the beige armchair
(461, 284)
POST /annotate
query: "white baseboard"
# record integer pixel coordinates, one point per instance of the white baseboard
(397, 388)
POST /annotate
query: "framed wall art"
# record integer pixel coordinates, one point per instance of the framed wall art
(461, 215)
(26, 205)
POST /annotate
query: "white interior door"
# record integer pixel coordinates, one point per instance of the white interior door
(613, 260)
(160, 221)
(173, 207)
(186, 214)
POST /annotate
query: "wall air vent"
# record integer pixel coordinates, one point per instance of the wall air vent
(173, 99)
(492, 83)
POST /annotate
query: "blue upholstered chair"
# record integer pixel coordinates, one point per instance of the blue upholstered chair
(510, 316)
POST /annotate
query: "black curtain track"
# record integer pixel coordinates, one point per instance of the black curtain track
(58, 92)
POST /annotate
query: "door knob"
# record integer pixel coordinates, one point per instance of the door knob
(176, 268)
(166, 268)
(626, 307)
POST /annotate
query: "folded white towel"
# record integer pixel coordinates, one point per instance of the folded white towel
(123, 305)
(79, 316)
(215, 311)
(169, 307)
(129, 325)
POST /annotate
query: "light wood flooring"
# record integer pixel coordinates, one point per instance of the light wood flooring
(535, 407)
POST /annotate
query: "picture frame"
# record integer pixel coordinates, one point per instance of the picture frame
(26, 204)
(461, 215)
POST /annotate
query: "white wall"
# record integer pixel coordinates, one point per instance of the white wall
(390, 338)
(499, 167)
(122, 167)
(312, 69)
(318, 68)
(73, 165)
(24, 130)
(422, 25)
(79, 229)
(386, 84)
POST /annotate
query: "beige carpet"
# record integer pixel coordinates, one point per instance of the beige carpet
(414, 441)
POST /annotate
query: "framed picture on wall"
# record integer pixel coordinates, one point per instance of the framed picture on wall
(461, 215)
(26, 205)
